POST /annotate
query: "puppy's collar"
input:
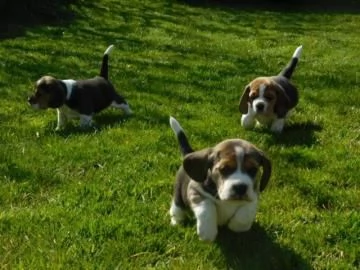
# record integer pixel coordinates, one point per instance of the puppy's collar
(69, 87)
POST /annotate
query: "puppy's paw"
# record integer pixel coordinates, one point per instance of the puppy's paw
(247, 121)
(278, 125)
(239, 227)
(177, 214)
(207, 232)
(59, 128)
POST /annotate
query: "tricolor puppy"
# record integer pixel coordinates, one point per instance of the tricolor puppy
(80, 98)
(267, 100)
(218, 184)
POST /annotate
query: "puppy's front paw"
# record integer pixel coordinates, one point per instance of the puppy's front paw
(207, 232)
(247, 121)
(239, 227)
(177, 214)
(278, 125)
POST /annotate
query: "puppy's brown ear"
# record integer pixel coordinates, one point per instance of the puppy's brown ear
(243, 104)
(197, 164)
(282, 102)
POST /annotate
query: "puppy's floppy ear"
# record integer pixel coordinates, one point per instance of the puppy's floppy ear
(243, 104)
(197, 164)
(266, 165)
(57, 95)
(282, 102)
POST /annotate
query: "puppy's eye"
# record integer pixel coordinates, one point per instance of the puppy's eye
(225, 169)
(252, 97)
(269, 98)
(252, 171)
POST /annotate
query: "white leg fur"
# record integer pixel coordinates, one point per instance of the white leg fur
(177, 214)
(278, 125)
(248, 120)
(85, 120)
(122, 106)
(61, 119)
(206, 219)
(243, 218)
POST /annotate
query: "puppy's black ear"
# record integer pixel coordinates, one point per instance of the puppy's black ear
(266, 173)
(57, 94)
(197, 164)
(243, 104)
(282, 102)
(260, 160)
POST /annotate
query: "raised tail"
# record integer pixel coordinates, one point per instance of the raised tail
(104, 72)
(180, 135)
(289, 69)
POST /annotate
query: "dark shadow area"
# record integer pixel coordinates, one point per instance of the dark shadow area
(17, 15)
(296, 134)
(256, 250)
(101, 121)
(336, 6)
(14, 172)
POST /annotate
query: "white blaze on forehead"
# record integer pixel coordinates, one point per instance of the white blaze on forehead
(239, 151)
(262, 89)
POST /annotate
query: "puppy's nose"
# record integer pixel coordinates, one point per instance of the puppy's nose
(29, 99)
(260, 106)
(240, 189)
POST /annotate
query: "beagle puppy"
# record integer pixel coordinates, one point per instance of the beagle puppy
(78, 98)
(267, 100)
(218, 184)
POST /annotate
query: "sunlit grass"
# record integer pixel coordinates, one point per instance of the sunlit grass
(100, 198)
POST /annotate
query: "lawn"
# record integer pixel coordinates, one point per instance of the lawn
(99, 198)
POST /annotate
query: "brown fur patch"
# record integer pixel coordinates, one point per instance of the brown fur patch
(249, 163)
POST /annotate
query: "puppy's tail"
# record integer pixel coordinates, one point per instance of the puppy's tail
(289, 69)
(104, 72)
(180, 135)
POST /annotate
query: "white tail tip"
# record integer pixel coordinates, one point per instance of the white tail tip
(109, 49)
(298, 52)
(175, 126)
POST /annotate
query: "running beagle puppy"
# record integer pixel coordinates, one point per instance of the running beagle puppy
(80, 98)
(218, 184)
(267, 100)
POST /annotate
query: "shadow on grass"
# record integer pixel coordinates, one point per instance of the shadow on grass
(295, 134)
(255, 249)
(322, 6)
(18, 15)
(101, 121)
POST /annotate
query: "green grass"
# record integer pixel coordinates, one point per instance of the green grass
(100, 199)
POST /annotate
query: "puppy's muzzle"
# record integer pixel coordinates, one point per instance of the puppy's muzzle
(240, 190)
(260, 107)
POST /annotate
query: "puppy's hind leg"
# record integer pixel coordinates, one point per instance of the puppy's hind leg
(85, 121)
(120, 103)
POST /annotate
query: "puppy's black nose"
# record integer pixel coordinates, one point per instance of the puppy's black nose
(29, 99)
(240, 189)
(260, 106)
